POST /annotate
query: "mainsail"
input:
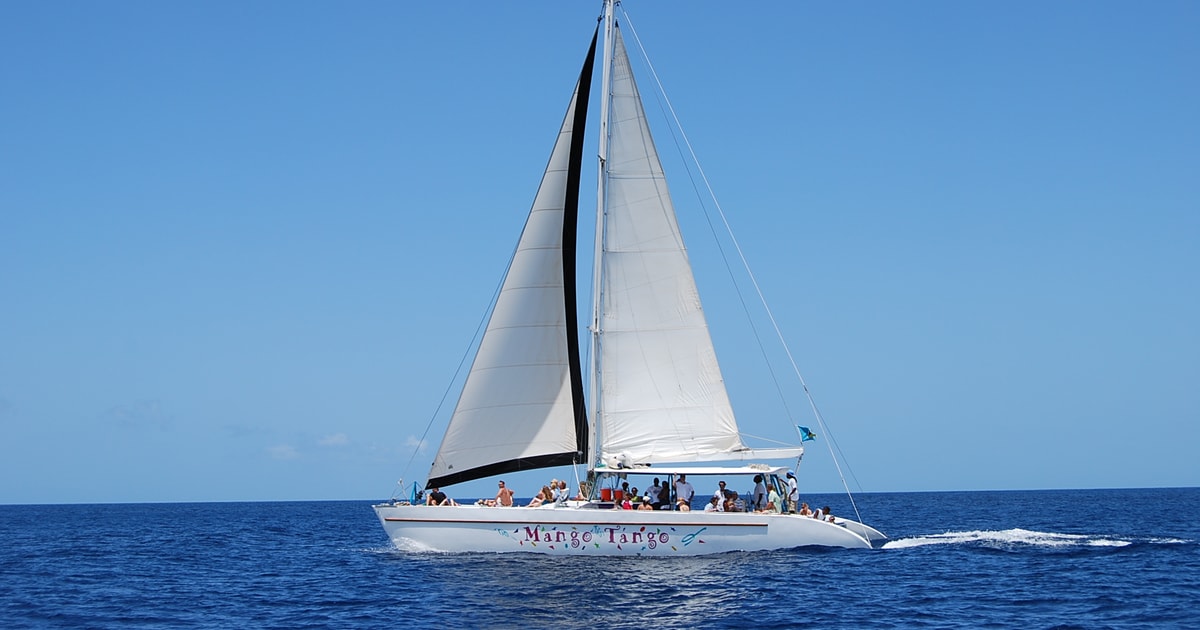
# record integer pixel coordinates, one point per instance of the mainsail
(522, 404)
(662, 395)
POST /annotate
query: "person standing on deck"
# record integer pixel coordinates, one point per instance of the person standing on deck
(759, 498)
(720, 496)
(774, 501)
(684, 491)
(654, 494)
(793, 492)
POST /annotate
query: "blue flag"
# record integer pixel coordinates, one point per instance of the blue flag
(806, 435)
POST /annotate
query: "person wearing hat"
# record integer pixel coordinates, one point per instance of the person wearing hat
(793, 496)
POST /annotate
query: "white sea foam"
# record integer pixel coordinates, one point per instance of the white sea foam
(1008, 537)
(1169, 541)
(410, 545)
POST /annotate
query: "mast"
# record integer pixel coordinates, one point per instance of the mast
(601, 188)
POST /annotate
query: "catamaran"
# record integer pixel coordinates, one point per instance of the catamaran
(658, 405)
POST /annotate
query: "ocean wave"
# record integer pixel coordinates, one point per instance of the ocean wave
(1012, 537)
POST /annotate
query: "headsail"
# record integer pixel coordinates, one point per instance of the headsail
(522, 404)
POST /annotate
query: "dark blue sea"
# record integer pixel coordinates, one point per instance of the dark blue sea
(1017, 559)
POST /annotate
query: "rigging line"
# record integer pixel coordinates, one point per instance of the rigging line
(745, 264)
(766, 439)
(843, 456)
(660, 96)
(463, 360)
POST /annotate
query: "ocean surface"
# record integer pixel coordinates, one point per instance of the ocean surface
(1016, 559)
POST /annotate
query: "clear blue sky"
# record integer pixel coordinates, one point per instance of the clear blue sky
(244, 245)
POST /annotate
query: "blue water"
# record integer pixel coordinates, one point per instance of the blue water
(1044, 559)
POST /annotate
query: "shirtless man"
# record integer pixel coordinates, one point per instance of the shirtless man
(504, 497)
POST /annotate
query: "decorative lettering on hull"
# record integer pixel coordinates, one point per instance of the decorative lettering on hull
(625, 538)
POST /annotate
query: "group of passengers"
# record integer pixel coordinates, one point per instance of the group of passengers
(555, 493)
(504, 497)
(765, 499)
(726, 500)
(656, 497)
(821, 514)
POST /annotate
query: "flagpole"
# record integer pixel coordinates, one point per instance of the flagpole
(799, 434)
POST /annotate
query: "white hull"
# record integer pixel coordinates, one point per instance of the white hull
(580, 530)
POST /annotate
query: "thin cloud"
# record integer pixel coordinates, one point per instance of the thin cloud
(417, 443)
(283, 452)
(337, 439)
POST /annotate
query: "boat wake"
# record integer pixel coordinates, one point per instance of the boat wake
(1020, 537)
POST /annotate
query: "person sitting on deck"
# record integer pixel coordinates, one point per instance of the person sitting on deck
(562, 495)
(804, 511)
(714, 505)
(437, 497)
(541, 497)
(504, 498)
(682, 505)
